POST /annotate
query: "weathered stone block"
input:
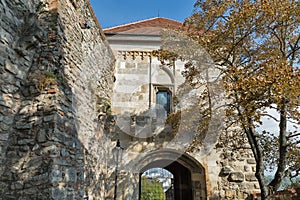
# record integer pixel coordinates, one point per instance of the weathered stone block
(34, 163)
(222, 194)
(8, 120)
(3, 187)
(35, 147)
(17, 185)
(251, 161)
(56, 176)
(242, 195)
(4, 127)
(7, 176)
(250, 177)
(225, 171)
(12, 154)
(58, 193)
(256, 186)
(41, 136)
(23, 125)
(11, 67)
(230, 193)
(247, 168)
(4, 137)
(71, 175)
(138, 148)
(24, 148)
(25, 141)
(236, 177)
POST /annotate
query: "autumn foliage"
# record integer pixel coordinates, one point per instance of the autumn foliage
(256, 46)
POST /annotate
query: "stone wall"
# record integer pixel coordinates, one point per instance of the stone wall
(231, 172)
(56, 78)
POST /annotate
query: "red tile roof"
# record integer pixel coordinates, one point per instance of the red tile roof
(151, 26)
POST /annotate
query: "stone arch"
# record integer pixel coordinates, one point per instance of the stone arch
(168, 72)
(189, 174)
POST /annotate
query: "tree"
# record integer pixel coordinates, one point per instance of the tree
(152, 190)
(256, 46)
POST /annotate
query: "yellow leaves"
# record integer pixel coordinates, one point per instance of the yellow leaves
(252, 41)
(285, 80)
(280, 10)
(269, 84)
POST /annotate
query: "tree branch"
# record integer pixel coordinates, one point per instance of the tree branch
(294, 135)
(272, 117)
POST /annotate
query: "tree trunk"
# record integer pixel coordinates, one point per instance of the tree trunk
(264, 188)
(248, 126)
(282, 161)
(258, 155)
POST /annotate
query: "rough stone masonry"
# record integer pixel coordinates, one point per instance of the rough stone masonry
(56, 75)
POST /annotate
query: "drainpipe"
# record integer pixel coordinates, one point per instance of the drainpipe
(150, 80)
(174, 85)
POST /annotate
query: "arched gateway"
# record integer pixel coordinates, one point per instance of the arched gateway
(188, 174)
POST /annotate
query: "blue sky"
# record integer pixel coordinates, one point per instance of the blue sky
(116, 12)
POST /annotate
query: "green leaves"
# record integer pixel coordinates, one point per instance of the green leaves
(151, 190)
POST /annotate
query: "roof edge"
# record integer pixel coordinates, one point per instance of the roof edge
(136, 22)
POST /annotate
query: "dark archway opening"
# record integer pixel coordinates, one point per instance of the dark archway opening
(181, 183)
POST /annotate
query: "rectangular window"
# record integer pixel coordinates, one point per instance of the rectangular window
(163, 103)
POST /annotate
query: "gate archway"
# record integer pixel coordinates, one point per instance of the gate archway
(188, 174)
